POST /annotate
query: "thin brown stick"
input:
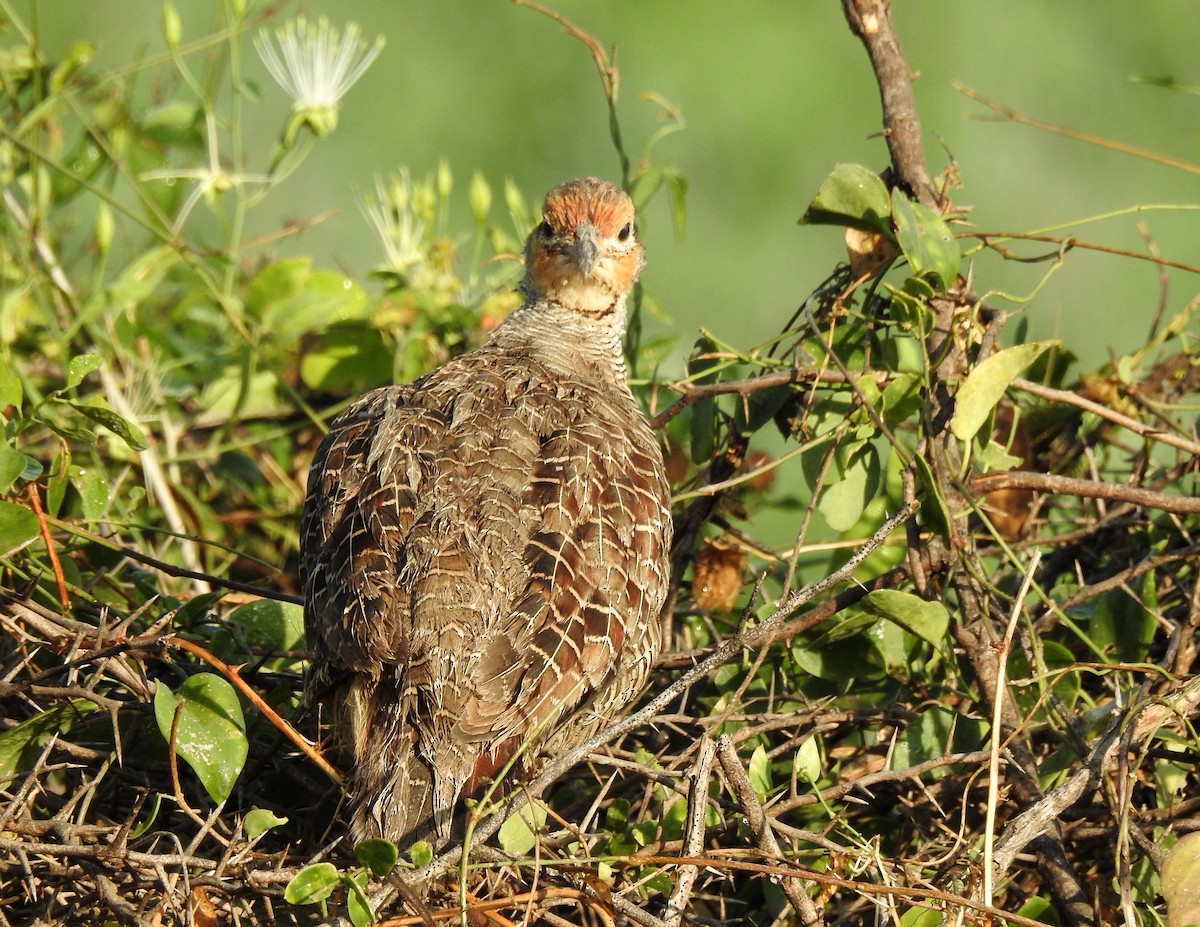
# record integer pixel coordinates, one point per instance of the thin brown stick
(694, 392)
(871, 21)
(989, 831)
(171, 570)
(35, 502)
(1107, 413)
(1013, 116)
(231, 673)
(990, 240)
(1091, 489)
(693, 836)
(743, 791)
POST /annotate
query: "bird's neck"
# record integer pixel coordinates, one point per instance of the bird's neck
(572, 342)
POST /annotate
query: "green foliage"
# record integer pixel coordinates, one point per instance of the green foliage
(164, 379)
(203, 722)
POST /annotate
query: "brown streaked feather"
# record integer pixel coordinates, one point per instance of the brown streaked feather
(484, 550)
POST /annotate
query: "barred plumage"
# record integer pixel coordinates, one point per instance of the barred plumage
(485, 550)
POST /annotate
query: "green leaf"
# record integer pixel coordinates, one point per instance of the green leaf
(12, 465)
(259, 820)
(927, 620)
(1181, 880)
(211, 737)
(143, 276)
(843, 501)
(1039, 909)
(20, 746)
(18, 525)
(348, 358)
(933, 509)
(922, 917)
(271, 625)
(616, 815)
(312, 884)
(10, 386)
(324, 298)
(926, 738)
(379, 856)
(902, 398)
(95, 493)
(677, 186)
(660, 883)
(852, 195)
(838, 660)
(143, 827)
(171, 123)
(421, 854)
(760, 772)
(79, 367)
(984, 386)
(925, 240)
(99, 412)
(807, 761)
(357, 904)
(992, 457)
(518, 835)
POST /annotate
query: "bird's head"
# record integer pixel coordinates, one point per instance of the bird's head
(584, 254)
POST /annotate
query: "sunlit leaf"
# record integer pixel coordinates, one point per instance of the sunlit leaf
(844, 499)
(379, 856)
(985, 385)
(925, 240)
(259, 820)
(927, 620)
(269, 624)
(21, 744)
(357, 904)
(211, 736)
(922, 917)
(18, 525)
(760, 772)
(101, 414)
(518, 834)
(807, 760)
(852, 195)
(79, 367)
(12, 465)
(1181, 881)
(10, 387)
(95, 492)
(421, 854)
(312, 884)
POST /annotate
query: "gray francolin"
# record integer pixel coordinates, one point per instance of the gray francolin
(485, 549)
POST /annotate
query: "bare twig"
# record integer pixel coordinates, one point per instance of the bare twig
(871, 21)
(231, 673)
(35, 503)
(1107, 413)
(989, 830)
(693, 834)
(743, 790)
(1091, 489)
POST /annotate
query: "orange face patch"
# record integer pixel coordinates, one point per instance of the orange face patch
(570, 204)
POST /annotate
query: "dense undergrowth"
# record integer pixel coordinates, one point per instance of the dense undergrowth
(992, 721)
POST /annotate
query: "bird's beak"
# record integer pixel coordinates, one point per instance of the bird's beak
(586, 249)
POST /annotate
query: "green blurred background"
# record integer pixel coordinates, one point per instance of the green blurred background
(774, 95)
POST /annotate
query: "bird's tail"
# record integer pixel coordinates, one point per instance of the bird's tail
(391, 787)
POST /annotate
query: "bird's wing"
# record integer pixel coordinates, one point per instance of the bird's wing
(362, 498)
(595, 529)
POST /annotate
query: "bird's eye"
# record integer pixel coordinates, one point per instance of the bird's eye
(544, 230)
(626, 231)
